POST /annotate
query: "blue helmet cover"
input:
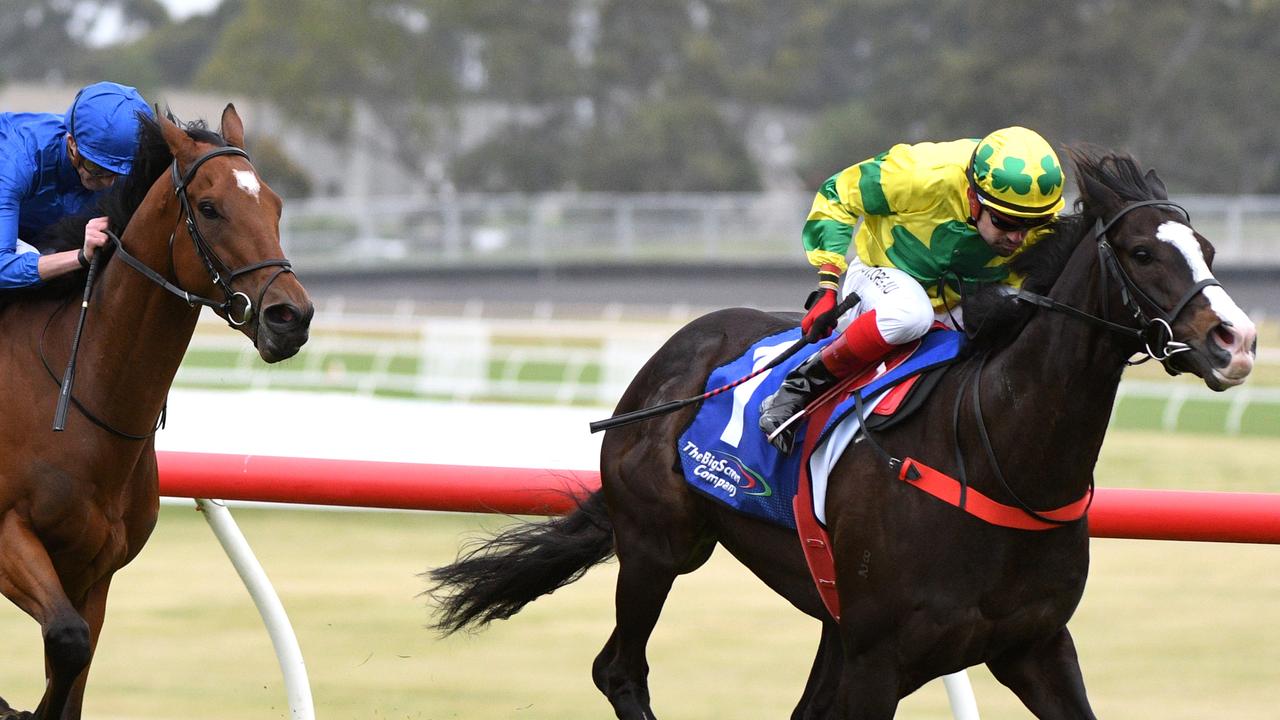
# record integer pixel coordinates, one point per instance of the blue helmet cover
(103, 119)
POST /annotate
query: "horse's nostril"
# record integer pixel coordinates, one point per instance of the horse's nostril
(281, 315)
(1225, 336)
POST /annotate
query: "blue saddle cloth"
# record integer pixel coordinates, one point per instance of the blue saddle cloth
(726, 457)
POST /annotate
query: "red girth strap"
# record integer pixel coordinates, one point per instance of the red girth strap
(947, 489)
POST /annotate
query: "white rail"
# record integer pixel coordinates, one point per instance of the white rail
(283, 639)
(583, 362)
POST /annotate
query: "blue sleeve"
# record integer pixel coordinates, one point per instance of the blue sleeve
(16, 270)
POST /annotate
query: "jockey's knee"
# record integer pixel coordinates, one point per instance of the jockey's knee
(903, 324)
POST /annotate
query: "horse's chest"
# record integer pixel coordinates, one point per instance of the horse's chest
(87, 532)
(1031, 594)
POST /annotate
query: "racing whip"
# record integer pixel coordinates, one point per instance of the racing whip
(68, 377)
(816, 332)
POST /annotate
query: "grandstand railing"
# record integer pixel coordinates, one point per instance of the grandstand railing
(569, 228)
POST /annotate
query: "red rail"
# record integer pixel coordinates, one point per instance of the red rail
(1116, 513)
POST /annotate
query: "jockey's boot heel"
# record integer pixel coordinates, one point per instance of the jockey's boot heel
(804, 384)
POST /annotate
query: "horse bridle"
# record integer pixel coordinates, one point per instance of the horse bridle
(1154, 332)
(221, 275)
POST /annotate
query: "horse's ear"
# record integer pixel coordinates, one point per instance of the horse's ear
(232, 126)
(1156, 185)
(180, 144)
(1096, 193)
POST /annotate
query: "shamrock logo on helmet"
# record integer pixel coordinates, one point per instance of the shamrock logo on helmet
(1016, 171)
(1052, 176)
(1011, 176)
(982, 161)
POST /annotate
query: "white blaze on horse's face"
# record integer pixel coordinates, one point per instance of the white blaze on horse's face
(1237, 333)
(248, 182)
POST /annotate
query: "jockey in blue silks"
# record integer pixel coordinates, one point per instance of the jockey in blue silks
(53, 166)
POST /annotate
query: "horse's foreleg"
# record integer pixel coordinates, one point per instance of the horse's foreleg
(94, 610)
(1046, 678)
(27, 577)
(824, 677)
(869, 680)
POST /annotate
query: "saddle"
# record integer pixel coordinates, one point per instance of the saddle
(725, 457)
(723, 454)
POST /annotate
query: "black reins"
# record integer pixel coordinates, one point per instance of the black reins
(218, 270)
(1154, 332)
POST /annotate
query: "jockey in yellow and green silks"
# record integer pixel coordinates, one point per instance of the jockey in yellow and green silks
(935, 218)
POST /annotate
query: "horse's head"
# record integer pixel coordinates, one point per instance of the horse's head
(1159, 269)
(231, 220)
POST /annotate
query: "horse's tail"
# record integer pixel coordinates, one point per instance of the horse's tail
(496, 579)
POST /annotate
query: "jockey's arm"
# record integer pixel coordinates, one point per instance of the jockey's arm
(827, 234)
(828, 230)
(52, 266)
(55, 264)
(17, 269)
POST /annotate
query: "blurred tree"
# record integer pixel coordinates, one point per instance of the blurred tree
(1163, 85)
(659, 120)
(52, 39)
(1186, 85)
(842, 136)
(519, 158)
(522, 52)
(274, 165)
(318, 59)
(808, 54)
(640, 47)
(37, 40)
(669, 145)
(171, 54)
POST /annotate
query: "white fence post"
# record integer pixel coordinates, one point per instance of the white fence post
(272, 611)
(964, 706)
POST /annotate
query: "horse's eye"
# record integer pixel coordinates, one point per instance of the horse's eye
(1142, 256)
(208, 210)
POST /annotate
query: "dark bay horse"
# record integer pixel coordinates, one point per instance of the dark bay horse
(925, 589)
(77, 505)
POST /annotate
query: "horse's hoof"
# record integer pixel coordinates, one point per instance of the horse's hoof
(8, 713)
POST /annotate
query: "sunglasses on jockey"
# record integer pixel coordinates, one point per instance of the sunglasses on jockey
(1006, 223)
(93, 169)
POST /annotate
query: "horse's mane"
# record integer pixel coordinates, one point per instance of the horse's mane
(992, 317)
(121, 201)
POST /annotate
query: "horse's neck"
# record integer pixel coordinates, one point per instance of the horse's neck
(136, 333)
(1048, 396)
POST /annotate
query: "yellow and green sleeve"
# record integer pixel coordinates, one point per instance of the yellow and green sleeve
(853, 192)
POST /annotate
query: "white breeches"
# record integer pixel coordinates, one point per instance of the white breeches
(904, 312)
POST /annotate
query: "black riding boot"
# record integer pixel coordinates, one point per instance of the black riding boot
(804, 384)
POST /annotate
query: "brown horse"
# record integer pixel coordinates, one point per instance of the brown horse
(76, 506)
(925, 589)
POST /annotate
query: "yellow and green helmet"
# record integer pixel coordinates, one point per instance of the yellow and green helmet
(1016, 172)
